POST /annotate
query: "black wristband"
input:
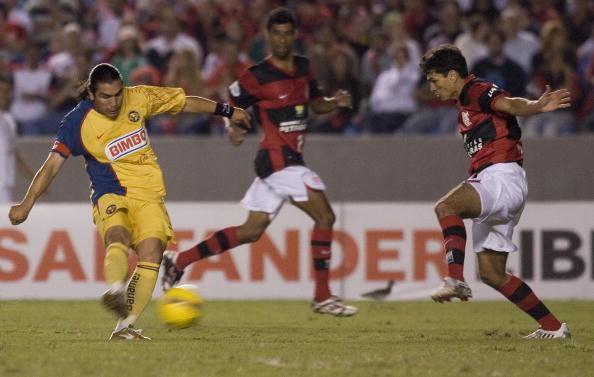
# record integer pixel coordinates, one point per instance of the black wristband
(224, 110)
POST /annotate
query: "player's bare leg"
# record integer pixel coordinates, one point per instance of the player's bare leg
(492, 272)
(461, 202)
(220, 241)
(117, 241)
(319, 209)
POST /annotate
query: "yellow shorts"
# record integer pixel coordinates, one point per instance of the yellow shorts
(142, 219)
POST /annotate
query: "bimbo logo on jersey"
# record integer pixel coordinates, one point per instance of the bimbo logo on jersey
(124, 145)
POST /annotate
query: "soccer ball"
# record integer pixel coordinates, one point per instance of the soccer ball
(180, 306)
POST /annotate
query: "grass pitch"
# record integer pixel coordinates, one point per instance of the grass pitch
(284, 338)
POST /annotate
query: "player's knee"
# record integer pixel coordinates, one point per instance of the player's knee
(442, 209)
(117, 234)
(326, 219)
(251, 234)
(491, 278)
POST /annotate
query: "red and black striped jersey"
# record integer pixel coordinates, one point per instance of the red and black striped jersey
(280, 101)
(490, 136)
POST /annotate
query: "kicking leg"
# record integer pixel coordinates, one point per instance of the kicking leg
(220, 241)
(140, 287)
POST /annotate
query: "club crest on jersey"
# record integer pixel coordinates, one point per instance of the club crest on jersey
(111, 209)
(127, 144)
(133, 116)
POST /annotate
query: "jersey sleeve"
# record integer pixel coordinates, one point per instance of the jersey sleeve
(244, 92)
(68, 140)
(163, 100)
(488, 95)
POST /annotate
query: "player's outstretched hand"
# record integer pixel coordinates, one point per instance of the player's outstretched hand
(235, 133)
(343, 99)
(550, 101)
(18, 213)
(241, 118)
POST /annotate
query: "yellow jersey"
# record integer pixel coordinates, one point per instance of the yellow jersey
(118, 155)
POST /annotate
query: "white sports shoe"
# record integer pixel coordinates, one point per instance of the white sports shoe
(334, 306)
(562, 333)
(451, 288)
(128, 333)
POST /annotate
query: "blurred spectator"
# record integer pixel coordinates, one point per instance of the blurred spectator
(341, 77)
(353, 25)
(393, 26)
(30, 95)
(499, 69)
(65, 89)
(184, 72)
(375, 60)
(229, 34)
(416, 18)
(433, 115)
(472, 42)
(553, 65)
(324, 44)
(109, 17)
(223, 65)
(487, 9)
(585, 53)
(10, 158)
(16, 15)
(128, 55)
(578, 20)
(15, 42)
(66, 45)
(169, 40)
(393, 96)
(520, 45)
(8, 133)
(448, 26)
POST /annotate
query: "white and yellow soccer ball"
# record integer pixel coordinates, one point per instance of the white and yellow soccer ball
(180, 306)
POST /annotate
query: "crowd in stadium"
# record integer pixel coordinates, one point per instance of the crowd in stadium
(369, 47)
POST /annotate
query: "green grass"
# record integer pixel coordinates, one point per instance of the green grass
(283, 338)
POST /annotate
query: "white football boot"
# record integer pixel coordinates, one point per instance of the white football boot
(451, 288)
(562, 333)
(128, 333)
(333, 306)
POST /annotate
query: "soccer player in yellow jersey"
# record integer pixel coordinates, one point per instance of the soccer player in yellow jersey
(108, 129)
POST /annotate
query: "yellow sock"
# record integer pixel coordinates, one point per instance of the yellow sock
(141, 286)
(115, 265)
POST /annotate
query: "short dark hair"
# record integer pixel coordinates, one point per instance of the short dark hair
(101, 73)
(281, 15)
(444, 58)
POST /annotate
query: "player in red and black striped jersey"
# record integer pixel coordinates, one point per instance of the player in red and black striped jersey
(281, 90)
(495, 194)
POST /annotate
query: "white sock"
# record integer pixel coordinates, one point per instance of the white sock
(117, 287)
(123, 323)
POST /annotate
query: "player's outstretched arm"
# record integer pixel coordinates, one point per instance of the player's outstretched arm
(324, 105)
(196, 104)
(44, 177)
(548, 101)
